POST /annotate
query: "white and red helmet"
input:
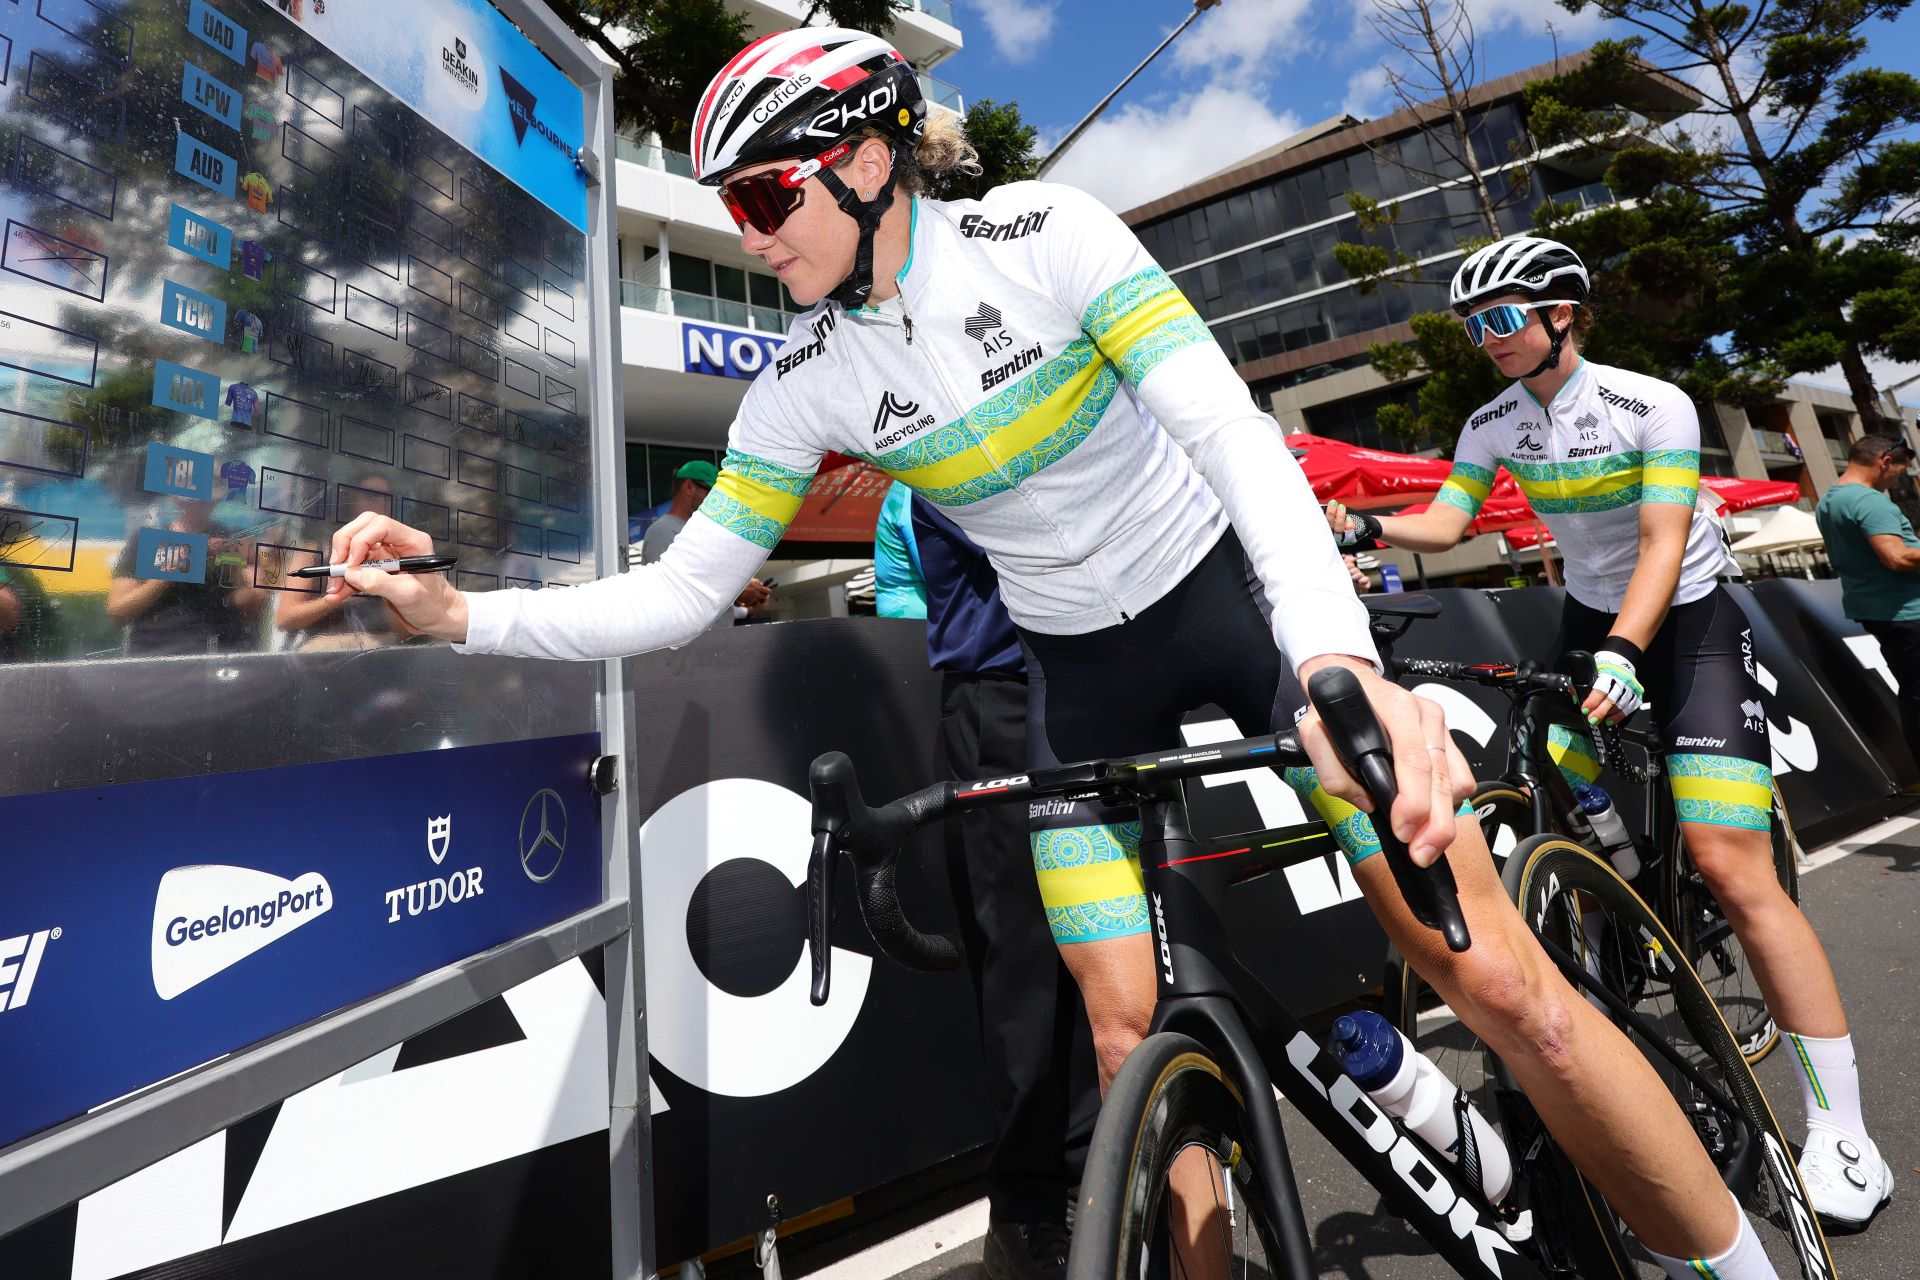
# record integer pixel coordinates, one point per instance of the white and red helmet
(797, 93)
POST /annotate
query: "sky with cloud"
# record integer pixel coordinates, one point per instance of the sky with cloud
(1243, 76)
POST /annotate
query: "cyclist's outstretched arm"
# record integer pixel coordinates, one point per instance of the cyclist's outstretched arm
(1439, 528)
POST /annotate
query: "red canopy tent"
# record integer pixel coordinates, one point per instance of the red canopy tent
(1365, 479)
(843, 504)
(1735, 494)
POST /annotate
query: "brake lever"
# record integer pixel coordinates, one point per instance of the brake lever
(820, 877)
(1431, 894)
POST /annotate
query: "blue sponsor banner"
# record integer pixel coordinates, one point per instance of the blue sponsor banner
(181, 473)
(1390, 579)
(175, 386)
(201, 236)
(212, 169)
(725, 353)
(202, 92)
(152, 927)
(170, 555)
(217, 30)
(194, 312)
(462, 65)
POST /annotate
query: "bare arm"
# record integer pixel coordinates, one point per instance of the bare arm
(130, 599)
(1894, 552)
(1438, 528)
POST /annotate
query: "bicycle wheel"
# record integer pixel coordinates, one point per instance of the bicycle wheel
(1712, 948)
(1506, 816)
(1576, 901)
(1169, 1102)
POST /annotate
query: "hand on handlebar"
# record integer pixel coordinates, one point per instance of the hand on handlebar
(1432, 775)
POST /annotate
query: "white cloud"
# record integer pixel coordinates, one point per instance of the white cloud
(1140, 152)
(1577, 30)
(1885, 374)
(1242, 38)
(1019, 29)
(1368, 94)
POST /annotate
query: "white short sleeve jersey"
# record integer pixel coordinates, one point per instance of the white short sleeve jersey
(1611, 440)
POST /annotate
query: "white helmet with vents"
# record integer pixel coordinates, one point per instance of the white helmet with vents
(1540, 269)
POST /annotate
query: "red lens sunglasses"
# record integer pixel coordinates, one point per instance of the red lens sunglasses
(765, 200)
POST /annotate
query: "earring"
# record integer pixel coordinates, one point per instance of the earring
(867, 195)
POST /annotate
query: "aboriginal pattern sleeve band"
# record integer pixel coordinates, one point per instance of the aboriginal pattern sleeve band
(756, 498)
(1466, 488)
(1141, 321)
(1670, 475)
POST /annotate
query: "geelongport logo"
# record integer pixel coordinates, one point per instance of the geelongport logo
(209, 918)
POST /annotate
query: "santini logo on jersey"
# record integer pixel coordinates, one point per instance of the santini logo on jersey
(975, 227)
(1639, 408)
(788, 363)
(1494, 414)
(1591, 451)
(994, 377)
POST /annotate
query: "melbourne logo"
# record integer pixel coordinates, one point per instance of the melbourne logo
(975, 227)
(20, 960)
(520, 103)
(543, 835)
(462, 72)
(207, 919)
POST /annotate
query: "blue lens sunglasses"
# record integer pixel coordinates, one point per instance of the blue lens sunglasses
(1503, 320)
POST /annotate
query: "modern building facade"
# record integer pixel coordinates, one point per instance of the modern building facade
(699, 316)
(1252, 248)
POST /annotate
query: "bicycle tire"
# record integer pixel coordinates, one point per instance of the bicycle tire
(1559, 885)
(1505, 813)
(1715, 953)
(1169, 1097)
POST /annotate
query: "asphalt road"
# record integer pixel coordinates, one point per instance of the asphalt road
(1866, 907)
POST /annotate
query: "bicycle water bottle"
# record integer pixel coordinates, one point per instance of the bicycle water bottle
(1407, 1084)
(1615, 841)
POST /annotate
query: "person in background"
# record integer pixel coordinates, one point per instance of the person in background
(1873, 548)
(167, 616)
(925, 567)
(691, 484)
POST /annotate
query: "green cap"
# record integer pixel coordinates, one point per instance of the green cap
(704, 473)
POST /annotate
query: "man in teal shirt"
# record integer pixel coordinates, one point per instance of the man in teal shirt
(1873, 548)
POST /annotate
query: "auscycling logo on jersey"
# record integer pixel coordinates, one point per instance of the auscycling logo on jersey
(975, 227)
(207, 919)
(893, 409)
(520, 103)
(1494, 414)
(462, 72)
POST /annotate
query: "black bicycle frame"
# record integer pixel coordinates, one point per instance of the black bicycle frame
(1206, 994)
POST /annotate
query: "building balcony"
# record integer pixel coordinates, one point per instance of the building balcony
(941, 94)
(699, 306)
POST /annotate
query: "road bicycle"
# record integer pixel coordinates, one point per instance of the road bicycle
(1533, 798)
(1200, 1088)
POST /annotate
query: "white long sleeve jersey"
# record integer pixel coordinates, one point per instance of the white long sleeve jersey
(993, 385)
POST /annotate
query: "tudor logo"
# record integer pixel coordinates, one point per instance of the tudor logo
(543, 835)
(439, 836)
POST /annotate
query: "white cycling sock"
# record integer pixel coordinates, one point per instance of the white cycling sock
(1830, 1083)
(1746, 1260)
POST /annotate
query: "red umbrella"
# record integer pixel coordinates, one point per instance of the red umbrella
(843, 505)
(1364, 479)
(1745, 495)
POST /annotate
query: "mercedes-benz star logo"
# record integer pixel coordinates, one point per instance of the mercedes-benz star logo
(543, 835)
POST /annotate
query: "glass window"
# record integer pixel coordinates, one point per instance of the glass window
(1246, 343)
(1279, 275)
(765, 290)
(1210, 282)
(637, 478)
(1293, 212)
(729, 283)
(1240, 217)
(1306, 272)
(665, 459)
(1266, 327)
(690, 274)
(1266, 212)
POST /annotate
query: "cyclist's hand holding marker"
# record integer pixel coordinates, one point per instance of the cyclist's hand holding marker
(426, 602)
(1432, 775)
(1616, 692)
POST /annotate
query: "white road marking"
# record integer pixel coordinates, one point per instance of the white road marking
(1857, 841)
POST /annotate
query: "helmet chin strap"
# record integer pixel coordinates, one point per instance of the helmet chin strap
(854, 291)
(1552, 359)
